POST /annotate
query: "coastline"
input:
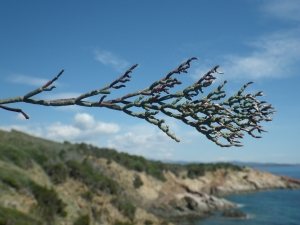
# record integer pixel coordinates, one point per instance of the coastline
(179, 199)
(268, 206)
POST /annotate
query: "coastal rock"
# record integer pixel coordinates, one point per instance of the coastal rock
(234, 214)
(223, 182)
(195, 198)
(175, 198)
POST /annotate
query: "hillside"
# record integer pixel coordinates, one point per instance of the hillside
(45, 182)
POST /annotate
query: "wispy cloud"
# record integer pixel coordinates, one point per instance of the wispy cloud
(287, 10)
(272, 55)
(110, 59)
(22, 79)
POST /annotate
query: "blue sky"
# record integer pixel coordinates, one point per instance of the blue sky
(97, 41)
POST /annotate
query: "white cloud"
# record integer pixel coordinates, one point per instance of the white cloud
(108, 58)
(149, 145)
(144, 139)
(84, 128)
(288, 10)
(84, 121)
(32, 130)
(70, 108)
(20, 117)
(62, 95)
(59, 131)
(141, 139)
(22, 79)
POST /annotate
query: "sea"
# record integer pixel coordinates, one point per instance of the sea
(272, 207)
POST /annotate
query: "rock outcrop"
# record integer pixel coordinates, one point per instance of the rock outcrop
(181, 197)
(234, 214)
(233, 182)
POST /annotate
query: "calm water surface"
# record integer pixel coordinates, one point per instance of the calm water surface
(276, 207)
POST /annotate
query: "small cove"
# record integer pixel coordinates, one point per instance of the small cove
(272, 207)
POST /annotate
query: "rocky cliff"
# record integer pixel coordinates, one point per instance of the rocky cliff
(181, 197)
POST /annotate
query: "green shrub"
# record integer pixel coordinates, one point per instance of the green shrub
(156, 169)
(15, 155)
(58, 173)
(14, 178)
(196, 170)
(10, 181)
(86, 174)
(131, 162)
(123, 223)
(137, 182)
(125, 207)
(148, 222)
(48, 203)
(62, 154)
(88, 195)
(82, 220)
(97, 213)
(109, 161)
(38, 156)
(67, 143)
(12, 216)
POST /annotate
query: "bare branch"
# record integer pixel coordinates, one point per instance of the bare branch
(223, 120)
(54, 79)
(15, 110)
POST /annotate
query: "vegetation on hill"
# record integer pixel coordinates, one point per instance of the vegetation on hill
(61, 161)
(57, 158)
(48, 203)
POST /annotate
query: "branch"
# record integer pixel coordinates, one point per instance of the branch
(15, 110)
(218, 121)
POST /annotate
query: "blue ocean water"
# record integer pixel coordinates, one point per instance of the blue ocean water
(275, 207)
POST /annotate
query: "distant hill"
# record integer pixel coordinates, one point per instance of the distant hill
(238, 163)
(254, 164)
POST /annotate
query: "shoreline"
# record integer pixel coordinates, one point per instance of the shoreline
(208, 195)
(233, 197)
(188, 220)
